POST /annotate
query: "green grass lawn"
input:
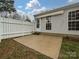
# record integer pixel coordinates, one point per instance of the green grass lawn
(69, 50)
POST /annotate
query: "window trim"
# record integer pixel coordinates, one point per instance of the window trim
(73, 20)
(37, 23)
(48, 23)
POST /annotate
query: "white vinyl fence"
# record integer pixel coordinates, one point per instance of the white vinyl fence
(13, 28)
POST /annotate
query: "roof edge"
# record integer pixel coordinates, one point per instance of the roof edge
(59, 8)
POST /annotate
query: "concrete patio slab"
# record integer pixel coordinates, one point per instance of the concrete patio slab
(47, 45)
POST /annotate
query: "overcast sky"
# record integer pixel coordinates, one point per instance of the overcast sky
(37, 6)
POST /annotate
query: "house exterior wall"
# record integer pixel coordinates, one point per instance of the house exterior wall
(66, 21)
(59, 23)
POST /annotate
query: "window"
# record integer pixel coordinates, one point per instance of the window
(73, 20)
(48, 23)
(38, 23)
(77, 14)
